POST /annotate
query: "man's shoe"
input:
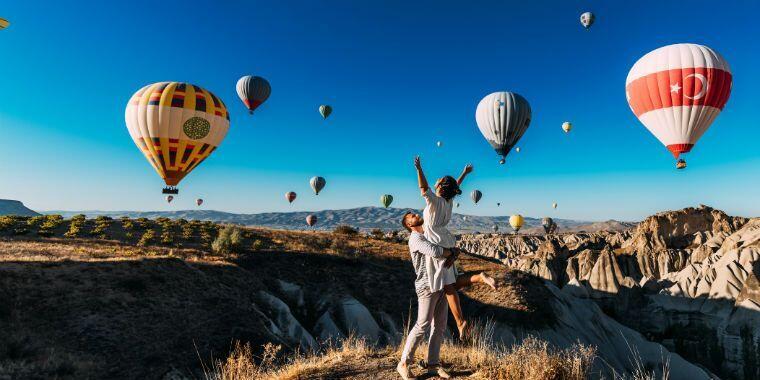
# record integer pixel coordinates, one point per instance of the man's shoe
(403, 370)
(438, 371)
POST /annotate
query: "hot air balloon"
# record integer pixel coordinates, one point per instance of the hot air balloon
(439, 144)
(464, 218)
(317, 184)
(677, 91)
(476, 195)
(498, 204)
(325, 110)
(495, 228)
(554, 205)
(169, 198)
(311, 220)
(199, 202)
(517, 149)
(457, 204)
(176, 126)
(290, 196)
(253, 91)
(516, 221)
(4, 23)
(567, 127)
(502, 118)
(386, 200)
(587, 19)
(547, 223)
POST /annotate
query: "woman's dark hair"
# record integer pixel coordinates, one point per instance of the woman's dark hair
(449, 188)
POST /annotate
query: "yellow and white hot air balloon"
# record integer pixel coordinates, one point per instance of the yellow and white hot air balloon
(567, 126)
(176, 126)
(516, 221)
(3, 23)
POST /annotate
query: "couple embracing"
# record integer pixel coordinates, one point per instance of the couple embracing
(433, 252)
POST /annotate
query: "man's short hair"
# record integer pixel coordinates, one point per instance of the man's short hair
(403, 221)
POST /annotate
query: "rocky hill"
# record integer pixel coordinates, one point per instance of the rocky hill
(140, 298)
(364, 218)
(687, 279)
(10, 207)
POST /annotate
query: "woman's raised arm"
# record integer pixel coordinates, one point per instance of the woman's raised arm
(467, 170)
(421, 180)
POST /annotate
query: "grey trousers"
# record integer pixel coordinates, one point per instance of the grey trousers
(432, 313)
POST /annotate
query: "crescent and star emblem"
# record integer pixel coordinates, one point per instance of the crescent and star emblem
(702, 92)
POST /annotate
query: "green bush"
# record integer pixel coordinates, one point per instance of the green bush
(147, 238)
(20, 231)
(167, 237)
(35, 221)
(377, 233)
(229, 239)
(80, 218)
(51, 222)
(7, 222)
(188, 231)
(345, 230)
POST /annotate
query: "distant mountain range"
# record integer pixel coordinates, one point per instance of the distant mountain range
(364, 218)
(11, 207)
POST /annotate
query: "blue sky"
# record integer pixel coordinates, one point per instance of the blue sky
(400, 76)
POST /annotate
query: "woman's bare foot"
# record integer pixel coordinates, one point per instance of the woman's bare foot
(488, 280)
(464, 330)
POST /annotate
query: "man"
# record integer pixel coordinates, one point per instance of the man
(432, 308)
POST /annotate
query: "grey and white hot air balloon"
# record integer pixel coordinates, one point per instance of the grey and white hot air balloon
(325, 110)
(476, 195)
(495, 228)
(587, 19)
(548, 224)
(317, 184)
(253, 91)
(503, 117)
(311, 220)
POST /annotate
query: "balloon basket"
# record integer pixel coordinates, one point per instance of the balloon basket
(170, 190)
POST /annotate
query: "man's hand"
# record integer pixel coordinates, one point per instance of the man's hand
(417, 163)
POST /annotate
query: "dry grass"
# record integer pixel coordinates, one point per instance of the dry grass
(533, 359)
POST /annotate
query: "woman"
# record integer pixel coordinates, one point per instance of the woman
(437, 215)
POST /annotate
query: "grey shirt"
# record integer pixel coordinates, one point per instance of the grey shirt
(420, 249)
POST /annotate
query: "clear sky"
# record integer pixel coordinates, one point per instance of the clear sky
(400, 76)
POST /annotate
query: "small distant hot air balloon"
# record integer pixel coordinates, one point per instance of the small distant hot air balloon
(464, 218)
(439, 144)
(290, 196)
(498, 204)
(548, 224)
(567, 126)
(169, 198)
(325, 110)
(317, 184)
(4, 23)
(516, 221)
(457, 204)
(503, 117)
(176, 126)
(311, 220)
(253, 91)
(677, 91)
(495, 228)
(199, 201)
(554, 205)
(517, 149)
(476, 195)
(386, 200)
(587, 19)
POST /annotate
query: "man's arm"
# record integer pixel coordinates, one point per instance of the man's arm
(423, 246)
(467, 170)
(421, 180)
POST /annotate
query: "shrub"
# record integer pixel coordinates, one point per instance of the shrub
(377, 233)
(128, 224)
(188, 231)
(345, 230)
(147, 238)
(35, 221)
(229, 239)
(51, 222)
(20, 231)
(257, 245)
(166, 237)
(7, 222)
(79, 218)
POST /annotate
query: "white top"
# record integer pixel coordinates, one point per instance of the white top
(437, 215)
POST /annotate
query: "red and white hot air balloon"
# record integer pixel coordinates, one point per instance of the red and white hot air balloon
(290, 196)
(199, 202)
(677, 91)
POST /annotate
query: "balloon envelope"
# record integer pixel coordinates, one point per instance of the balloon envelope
(4, 23)
(199, 201)
(548, 224)
(325, 110)
(253, 91)
(317, 184)
(439, 144)
(386, 200)
(587, 19)
(554, 205)
(290, 196)
(311, 220)
(169, 199)
(495, 227)
(476, 195)
(503, 117)
(567, 126)
(677, 91)
(516, 221)
(176, 126)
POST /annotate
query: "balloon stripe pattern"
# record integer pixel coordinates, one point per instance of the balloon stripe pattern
(176, 126)
(253, 91)
(677, 91)
(503, 117)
